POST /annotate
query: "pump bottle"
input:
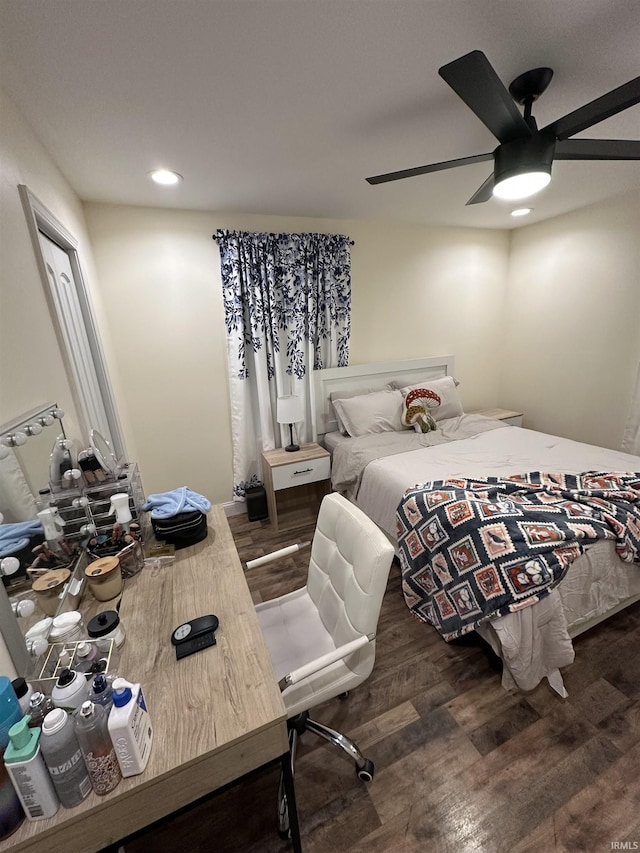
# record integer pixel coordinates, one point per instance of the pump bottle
(130, 727)
(28, 772)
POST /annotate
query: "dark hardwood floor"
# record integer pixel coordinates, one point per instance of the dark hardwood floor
(461, 764)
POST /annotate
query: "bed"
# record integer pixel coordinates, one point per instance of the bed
(375, 469)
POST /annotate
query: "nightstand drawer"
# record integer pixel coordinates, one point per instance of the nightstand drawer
(298, 473)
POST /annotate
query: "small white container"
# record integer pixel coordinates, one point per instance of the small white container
(130, 727)
(67, 627)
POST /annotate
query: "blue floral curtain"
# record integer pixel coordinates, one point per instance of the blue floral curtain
(287, 304)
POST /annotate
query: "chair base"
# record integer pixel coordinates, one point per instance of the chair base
(297, 726)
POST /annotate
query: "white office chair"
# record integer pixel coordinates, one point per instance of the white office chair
(321, 637)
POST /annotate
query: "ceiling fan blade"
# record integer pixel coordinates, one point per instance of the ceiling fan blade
(483, 193)
(473, 78)
(434, 167)
(597, 149)
(613, 102)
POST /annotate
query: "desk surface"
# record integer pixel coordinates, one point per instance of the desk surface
(216, 714)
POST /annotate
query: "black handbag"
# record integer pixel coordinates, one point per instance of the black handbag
(182, 529)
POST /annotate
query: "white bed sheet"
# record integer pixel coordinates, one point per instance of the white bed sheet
(499, 452)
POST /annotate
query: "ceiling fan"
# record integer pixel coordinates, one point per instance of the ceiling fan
(522, 160)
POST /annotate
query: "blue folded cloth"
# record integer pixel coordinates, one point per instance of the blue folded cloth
(166, 504)
(15, 537)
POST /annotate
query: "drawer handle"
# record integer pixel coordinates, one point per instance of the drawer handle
(304, 471)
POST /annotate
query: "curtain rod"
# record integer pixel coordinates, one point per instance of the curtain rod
(351, 242)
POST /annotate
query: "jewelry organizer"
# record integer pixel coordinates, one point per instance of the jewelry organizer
(84, 518)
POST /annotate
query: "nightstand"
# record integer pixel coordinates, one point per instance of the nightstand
(295, 483)
(506, 415)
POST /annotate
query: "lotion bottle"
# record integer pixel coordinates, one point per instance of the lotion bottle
(130, 727)
(28, 772)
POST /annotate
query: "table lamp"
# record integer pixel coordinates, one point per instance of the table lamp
(290, 410)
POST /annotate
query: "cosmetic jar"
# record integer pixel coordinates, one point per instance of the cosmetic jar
(105, 578)
(67, 628)
(104, 627)
(48, 588)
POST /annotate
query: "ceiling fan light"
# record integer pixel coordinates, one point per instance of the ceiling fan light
(521, 186)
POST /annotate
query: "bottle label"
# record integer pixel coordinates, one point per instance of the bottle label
(69, 764)
(28, 791)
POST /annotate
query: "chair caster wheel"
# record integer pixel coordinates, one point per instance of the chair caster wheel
(344, 695)
(365, 774)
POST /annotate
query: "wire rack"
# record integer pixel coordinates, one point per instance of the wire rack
(61, 656)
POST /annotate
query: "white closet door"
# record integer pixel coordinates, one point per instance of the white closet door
(68, 308)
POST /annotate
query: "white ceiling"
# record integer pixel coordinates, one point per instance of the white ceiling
(285, 106)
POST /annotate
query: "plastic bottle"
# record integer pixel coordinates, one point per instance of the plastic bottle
(130, 727)
(101, 690)
(39, 707)
(63, 757)
(24, 692)
(71, 690)
(99, 755)
(11, 812)
(29, 773)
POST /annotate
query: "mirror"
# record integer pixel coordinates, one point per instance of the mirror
(25, 448)
(103, 452)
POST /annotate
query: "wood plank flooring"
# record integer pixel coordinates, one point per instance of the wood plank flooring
(461, 764)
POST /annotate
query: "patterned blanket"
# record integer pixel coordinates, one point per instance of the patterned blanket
(472, 549)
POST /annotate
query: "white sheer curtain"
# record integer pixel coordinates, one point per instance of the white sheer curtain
(631, 437)
(287, 301)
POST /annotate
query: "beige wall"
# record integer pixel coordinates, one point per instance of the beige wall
(572, 337)
(416, 292)
(505, 306)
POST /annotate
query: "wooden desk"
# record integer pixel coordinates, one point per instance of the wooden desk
(217, 714)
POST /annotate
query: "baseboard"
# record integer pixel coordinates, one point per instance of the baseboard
(234, 508)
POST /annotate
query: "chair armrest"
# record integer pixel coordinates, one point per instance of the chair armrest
(274, 555)
(316, 665)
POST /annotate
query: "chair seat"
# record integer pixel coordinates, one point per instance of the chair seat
(295, 635)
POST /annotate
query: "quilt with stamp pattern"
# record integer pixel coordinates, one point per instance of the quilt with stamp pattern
(473, 549)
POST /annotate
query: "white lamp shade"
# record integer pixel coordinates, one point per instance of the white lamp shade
(290, 410)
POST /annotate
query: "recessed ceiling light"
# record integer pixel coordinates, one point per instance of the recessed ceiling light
(165, 177)
(521, 211)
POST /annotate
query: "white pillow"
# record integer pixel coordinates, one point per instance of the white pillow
(347, 395)
(445, 387)
(380, 411)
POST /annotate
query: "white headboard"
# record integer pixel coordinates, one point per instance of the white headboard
(369, 377)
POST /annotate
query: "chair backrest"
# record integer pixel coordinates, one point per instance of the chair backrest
(348, 573)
